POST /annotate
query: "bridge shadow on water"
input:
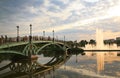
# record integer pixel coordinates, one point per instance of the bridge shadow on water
(14, 65)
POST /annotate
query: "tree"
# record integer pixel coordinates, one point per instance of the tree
(70, 43)
(92, 42)
(118, 42)
(82, 43)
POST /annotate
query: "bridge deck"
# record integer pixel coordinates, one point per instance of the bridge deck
(19, 43)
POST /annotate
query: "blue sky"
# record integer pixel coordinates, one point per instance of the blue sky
(76, 19)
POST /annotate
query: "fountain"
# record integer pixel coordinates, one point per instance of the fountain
(99, 39)
(100, 46)
(100, 43)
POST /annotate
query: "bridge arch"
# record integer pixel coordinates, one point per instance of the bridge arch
(27, 48)
(49, 45)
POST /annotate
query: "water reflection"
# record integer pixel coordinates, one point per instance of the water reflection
(87, 67)
(72, 64)
(13, 65)
(102, 57)
(107, 63)
(100, 61)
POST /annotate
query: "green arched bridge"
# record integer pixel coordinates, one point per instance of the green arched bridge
(18, 51)
(26, 49)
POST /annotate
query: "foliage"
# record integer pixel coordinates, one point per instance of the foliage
(82, 43)
(118, 42)
(92, 41)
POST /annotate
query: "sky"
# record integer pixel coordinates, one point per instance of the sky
(75, 19)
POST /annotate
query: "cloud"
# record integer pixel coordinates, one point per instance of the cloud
(111, 35)
(61, 15)
(92, 1)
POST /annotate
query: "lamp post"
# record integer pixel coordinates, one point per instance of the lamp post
(53, 35)
(30, 40)
(30, 52)
(17, 33)
(64, 40)
(64, 44)
(30, 37)
(43, 35)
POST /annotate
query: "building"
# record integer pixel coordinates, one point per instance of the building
(109, 41)
(117, 38)
(118, 41)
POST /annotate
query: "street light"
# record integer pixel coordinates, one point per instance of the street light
(17, 33)
(43, 35)
(30, 40)
(64, 40)
(64, 44)
(53, 35)
(30, 37)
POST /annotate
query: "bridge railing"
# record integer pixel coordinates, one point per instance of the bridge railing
(6, 41)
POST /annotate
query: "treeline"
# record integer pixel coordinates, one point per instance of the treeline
(82, 43)
(6, 39)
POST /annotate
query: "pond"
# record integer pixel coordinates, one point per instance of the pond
(62, 65)
(91, 65)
